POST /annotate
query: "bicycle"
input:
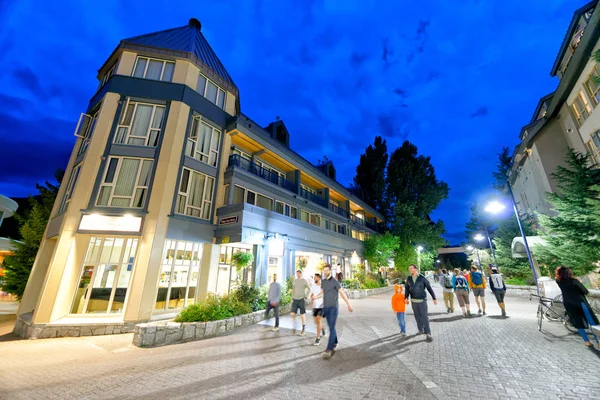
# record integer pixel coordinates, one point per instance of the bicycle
(549, 308)
(567, 323)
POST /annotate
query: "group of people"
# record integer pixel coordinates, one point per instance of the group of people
(324, 295)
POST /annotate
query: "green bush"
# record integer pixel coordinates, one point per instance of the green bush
(248, 294)
(213, 308)
(371, 284)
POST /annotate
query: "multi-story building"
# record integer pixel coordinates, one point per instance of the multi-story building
(565, 118)
(167, 180)
(7, 209)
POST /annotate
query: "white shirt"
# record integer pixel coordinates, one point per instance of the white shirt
(316, 289)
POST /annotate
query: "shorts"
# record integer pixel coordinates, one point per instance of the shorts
(499, 295)
(298, 305)
(317, 312)
(462, 296)
(479, 292)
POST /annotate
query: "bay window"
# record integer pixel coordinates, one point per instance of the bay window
(203, 142)
(153, 68)
(243, 195)
(140, 124)
(69, 190)
(593, 146)
(211, 91)
(195, 194)
(125, 182)
(581, 108)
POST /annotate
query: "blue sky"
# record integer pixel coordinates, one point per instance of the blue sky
(457, 78)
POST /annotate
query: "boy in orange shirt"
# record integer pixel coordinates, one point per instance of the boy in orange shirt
(399, 308)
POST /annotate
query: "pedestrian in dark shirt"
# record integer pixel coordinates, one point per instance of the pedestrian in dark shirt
(331, 289)
(416, 286)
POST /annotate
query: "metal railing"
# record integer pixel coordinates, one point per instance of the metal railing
(268, 175)
(313, 197)
(338, 210)
(356, 220)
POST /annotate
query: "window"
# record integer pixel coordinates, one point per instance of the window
(594, 148)
(342, 228)
(264, 202)
(225, 194)
(140, 124)
(270, 173)
(69, 190)
(315, 219)
(335, 203)
(241, 195)
(211, 91)
(179, 275)
(242, 154)
(85, 129)
(108, 75)
(325, 224)
(592, 87)
(125, 182)
(308, 189)
(304, 216)
(525, 202)
(152, 68)
(195, 194)
(285, 209)
(333, 226)
(581, 108)
(105, 276)
(227, 277)
(358, 235)
(203, 142)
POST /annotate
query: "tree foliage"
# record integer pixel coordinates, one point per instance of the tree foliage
(502, 168)
(572, 235)
(32, 225)
(379, 249)
(370, 175)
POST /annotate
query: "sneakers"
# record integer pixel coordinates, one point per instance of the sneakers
(328, 354)
(479, 312)
(452, 310)
(402, 333)
(429, 338)
(484, 313)
(503, 313)
(317, 342)
(323, 332)
(302, 333)
(465, 314)
(469, 313)
(335, 347)
(275, 329)
(294, 331)
(448, 310)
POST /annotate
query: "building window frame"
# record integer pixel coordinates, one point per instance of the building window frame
(593, 147)
(309, 189)
(185, 199)
(202, 86)
(128, 122)
(209, 143)
(163, 68)
(305, 216)
(85, 129)
(591, 87)
(251, 197)
(581, 108)
(286, 209)
(108, 74)
(68, 194)
(111, 177)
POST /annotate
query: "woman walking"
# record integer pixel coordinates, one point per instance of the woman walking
(578, 309)
(461, 290)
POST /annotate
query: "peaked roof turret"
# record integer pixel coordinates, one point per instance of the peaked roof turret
(185, 41)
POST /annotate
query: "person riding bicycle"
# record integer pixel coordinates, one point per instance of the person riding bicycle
(578, 309)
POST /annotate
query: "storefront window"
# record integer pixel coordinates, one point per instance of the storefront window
(179, 275)
(228, 278)
(105, 276)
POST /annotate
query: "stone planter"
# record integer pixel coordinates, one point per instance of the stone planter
(362, 293)
(162, 333)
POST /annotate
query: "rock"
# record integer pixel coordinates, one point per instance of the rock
(189, 331)
(160, 336)
(200, 329)
(211, 329)
(148, 340)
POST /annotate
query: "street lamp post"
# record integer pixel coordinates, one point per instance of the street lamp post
(495, 207)
(471, 248)
(419, 250)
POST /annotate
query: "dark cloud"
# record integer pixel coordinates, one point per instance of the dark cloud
(480, 112)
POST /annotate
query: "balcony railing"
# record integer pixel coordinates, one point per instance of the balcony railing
(337, 210)
(357, 220)
(247, 165)
(313, 197)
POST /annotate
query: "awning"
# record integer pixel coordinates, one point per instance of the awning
(518, 247)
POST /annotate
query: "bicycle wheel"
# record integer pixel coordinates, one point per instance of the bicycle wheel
(540, 316)
(568, 325)
(556, 310)
(552, 315)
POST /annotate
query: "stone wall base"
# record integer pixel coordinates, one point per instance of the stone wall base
(362, 293)
(24, 328)
(162, 333)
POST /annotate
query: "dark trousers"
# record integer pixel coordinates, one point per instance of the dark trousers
(420, 310)
(275, 310)
(331, 313)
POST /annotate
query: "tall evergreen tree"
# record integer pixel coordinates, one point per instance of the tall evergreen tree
(502, 167)
(33, 221)
(572, 236)
(370, 175)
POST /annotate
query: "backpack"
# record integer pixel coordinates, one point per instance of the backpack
(447, 281)
(477, 278)
(461, 282)
(497, 281)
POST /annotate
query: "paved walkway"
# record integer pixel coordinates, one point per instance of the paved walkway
(483, 357)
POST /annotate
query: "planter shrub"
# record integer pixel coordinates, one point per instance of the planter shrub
(213, 308)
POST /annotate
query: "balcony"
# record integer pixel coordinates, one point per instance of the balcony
(237, 161)
(337, 210)
(313, 197)
(357, 220)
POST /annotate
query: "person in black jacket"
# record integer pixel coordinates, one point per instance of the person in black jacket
(579, 310)
(415, 290)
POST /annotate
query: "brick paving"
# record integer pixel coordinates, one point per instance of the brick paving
(482, 357)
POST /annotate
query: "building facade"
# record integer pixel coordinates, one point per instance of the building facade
(166, 181)
(566, 118)
(7, 208)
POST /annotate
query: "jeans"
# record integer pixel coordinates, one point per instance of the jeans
(420, 310)
(275, 311)
(401, 322)
(590, 321)
(331, 313)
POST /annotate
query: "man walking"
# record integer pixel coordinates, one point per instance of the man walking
(317, 308)
(273, 298)
(498, 288)
(330, 292)
(448, 289)
(300, 290)
(415, 287)
(477, 285)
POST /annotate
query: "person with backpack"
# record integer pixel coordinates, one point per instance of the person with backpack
(477, 284)
(448, 289)
(498, 288)
(461, 289)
